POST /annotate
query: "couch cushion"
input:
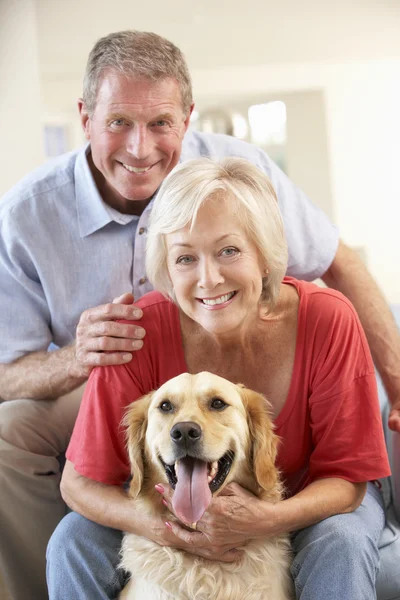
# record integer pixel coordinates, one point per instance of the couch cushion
(388, 583)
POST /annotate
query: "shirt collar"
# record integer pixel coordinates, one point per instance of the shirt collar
(93, 212)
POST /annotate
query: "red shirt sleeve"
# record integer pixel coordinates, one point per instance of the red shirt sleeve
(331, 424)
(97, 446)
(345, 420)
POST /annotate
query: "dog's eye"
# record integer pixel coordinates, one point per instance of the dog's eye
(218, 404)
(166, 406)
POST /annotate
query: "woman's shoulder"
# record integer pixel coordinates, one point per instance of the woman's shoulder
(160, 358)
(158, 311)
(321, 301)
(156, 300)
(329, 324)
(325, 315)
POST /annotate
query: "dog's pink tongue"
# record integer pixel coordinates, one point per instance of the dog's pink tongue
(192, 494)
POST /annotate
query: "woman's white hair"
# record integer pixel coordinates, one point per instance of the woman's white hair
(194, 182)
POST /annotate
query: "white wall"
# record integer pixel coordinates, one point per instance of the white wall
(356, 106)
(363, 145)
(21, 146)
(307, 148)
(358, 131)
(364, 130)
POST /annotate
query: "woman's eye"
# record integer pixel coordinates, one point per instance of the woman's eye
(218, 404)
(166, 406)
(231, 251)
(184, 260)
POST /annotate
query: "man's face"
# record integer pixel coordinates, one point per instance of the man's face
(136, 134)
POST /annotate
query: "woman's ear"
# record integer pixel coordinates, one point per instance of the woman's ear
(264, 442)
(135, 421)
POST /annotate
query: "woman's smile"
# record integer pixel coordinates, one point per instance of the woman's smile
(218, 301)
(214, 265)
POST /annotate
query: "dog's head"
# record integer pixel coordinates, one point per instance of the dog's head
(199, 432)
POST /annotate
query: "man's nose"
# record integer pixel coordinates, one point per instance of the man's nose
(139, 143)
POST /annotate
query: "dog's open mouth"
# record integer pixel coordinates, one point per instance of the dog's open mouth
(194, 481)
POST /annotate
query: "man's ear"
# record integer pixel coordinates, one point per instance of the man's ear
(85, 119)
(264, 442)
(135, 421)
(187, 118)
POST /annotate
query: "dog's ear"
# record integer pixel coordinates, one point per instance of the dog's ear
(264, 442)
(135, 421)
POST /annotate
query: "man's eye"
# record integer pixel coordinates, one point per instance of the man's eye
(184, 260)
(166, 406)
(161, 123)
(231, 251)
(117, 122)
(218, 404)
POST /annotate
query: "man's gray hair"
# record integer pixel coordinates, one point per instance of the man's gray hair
(193, 183)
(136, 54)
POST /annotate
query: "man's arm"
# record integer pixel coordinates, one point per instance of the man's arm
(349, 275)
(41, 375)
(99, 341)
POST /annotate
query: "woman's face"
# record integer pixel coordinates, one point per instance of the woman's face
(215, 269)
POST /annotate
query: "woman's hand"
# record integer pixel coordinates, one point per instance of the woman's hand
(231, 520)
(171, 534)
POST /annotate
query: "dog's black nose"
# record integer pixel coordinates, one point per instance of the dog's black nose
(186, 434)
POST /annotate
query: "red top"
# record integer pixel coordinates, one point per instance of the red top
(330, 424)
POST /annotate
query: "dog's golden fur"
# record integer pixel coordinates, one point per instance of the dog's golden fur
(242, 428)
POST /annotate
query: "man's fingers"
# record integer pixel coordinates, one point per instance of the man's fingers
(103, 359)
(113, 329)
(394, 419)
(112, 344)
(111, 312)
(126, 298)
(107, 329)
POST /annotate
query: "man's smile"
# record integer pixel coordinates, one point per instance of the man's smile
(137, 170)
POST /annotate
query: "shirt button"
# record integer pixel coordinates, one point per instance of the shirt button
(142, 280)
(142, 230)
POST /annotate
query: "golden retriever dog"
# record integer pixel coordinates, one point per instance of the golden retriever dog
(198, 433)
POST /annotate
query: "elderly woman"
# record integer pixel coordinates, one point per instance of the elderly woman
(217, 256)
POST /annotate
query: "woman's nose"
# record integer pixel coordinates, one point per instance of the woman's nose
(210, 275)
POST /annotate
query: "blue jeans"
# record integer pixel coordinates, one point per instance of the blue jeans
(337, 559)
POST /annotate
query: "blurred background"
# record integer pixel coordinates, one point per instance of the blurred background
(315, 83)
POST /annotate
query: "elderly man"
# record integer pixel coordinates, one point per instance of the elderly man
(73, 238)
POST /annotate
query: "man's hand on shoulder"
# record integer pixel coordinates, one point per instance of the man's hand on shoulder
(394, 416)
(101, 341)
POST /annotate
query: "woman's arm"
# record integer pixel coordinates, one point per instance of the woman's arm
(348, 274)
(236, 515)
(110, 506)
(321, 499)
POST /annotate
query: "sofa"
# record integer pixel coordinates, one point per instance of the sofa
(388, 584)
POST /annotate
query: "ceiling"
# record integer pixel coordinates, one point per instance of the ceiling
(222, 33)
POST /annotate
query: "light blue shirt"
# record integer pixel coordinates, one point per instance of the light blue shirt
(63, 250)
